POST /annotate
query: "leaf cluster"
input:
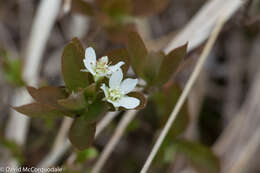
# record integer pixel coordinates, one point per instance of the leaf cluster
(155, 68)
(81, 98)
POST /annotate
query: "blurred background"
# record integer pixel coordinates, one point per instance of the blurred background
(218, 129)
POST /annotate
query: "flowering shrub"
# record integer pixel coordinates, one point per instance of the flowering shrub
(95, 86)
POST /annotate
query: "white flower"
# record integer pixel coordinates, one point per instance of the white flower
(99, 68)
(117, 90)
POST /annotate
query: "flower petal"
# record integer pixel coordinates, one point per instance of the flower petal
(129, 102)
(128, 85)
(115, 104)
(113, 68)
(104, 88)
(115, 79)
(104, 59)
(90, 55)
(90, 60)
(89, 67)
(84, 70)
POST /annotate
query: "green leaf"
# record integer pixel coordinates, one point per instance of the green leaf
(41, 110)
(166, 100)
(171, 62)
(152, 67)
(202, 158)
(48, 95)
(118, 55)
(82, 133)
(11, 69)
(82, 7)
(148, 7)
(94, 111)
(76, 101)
(88, 154)
(72, 63)
(141, 97)
(137, 52)
(16, 150)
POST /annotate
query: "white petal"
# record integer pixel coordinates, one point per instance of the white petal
(89, 66)
(90, 55)
(90, 59)
(115, 79)
(104, 59)
(115, 104)
(129, 102)
(113, 68)
(84, 70)
(128, 85)
(104, 88)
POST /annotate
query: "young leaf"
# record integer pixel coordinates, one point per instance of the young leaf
(76, 101)
(41, 110)
(202, 158)
(140, 96)
(72, 63)
(82, 7)
(47, 95)
(120, 55)
(82, 133)
(137, 52)
(170, 63)
(88, 154)
(152, 67)
(94, 111)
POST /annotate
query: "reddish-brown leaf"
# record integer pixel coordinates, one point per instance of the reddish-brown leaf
(171, 62)
(41, 110)
(82, 133)
(137, 52)
(47, 95)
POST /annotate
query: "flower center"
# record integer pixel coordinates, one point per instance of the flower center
(101, 68)
(114, 94)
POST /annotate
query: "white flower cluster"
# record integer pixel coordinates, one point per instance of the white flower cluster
(116, 92)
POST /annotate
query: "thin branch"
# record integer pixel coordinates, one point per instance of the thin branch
(127, 118)
(185, 92)
(105, 122)
(62, 134)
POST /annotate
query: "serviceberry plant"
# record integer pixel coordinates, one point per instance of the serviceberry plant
(95, 86)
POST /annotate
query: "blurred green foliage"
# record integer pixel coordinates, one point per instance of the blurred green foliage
(88, 154)
(11, 69)
(15, 149)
